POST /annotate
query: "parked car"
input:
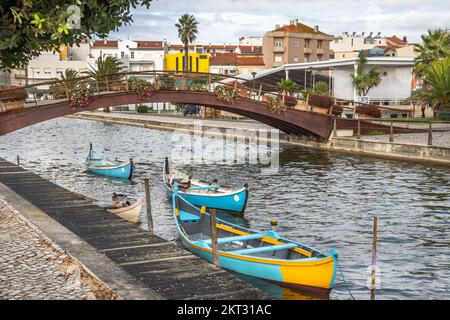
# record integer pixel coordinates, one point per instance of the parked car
(191, 110)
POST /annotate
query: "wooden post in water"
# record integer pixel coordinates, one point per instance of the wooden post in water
(374, 258)
(391, 133)
(430, 135)
(334, 127)
(212, 219)
(146, 183)
(358, 135)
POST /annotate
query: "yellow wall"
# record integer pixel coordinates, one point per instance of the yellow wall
(202, 59)
(64, 52)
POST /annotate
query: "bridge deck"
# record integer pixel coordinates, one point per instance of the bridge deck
(163, 266)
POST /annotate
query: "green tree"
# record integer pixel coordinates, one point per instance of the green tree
(58, 90)
(435, 46)
(106, 71)
(321, 88)
(365, 81)
(187, 32)
(437, 85)
(105, 75)
(287, 85)
(29, 27)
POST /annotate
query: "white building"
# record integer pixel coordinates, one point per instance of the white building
(251, 41)
(396, 84)
(51, 65)
(135, 55)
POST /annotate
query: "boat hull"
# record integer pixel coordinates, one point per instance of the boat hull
(316, 277)
(121, 171)
(131, 214)
(233, 202)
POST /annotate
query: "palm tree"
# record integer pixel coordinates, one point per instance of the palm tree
(187, 32)
(58, 90)
(106, 71)
(437, 85)
(365, 81)
(287, 85)
(435, 46)
(321, 88)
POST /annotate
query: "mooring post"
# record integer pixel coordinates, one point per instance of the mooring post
(18, 161)
(149, 204)
(212, 216)
(374, 258)
(391, 132)
(334, 127)
(430, 135)
(358, 135)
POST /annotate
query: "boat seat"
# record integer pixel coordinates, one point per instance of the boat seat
(237, 238)
(266, 249)
(188, 217)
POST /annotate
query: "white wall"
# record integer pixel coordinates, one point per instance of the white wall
(396, 85)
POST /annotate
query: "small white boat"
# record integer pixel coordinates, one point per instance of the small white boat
(131, 213)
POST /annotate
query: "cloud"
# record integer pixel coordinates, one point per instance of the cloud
(224, 21)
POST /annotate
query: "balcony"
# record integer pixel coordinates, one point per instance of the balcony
(307, 50)
(320, 51)
(278, 49)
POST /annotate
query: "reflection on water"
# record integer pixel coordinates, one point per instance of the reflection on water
(322, 199)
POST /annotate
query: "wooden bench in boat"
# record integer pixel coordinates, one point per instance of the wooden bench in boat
(237, 238)
(188, 217)
(266, 249)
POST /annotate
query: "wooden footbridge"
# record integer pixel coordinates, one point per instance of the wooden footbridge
(255, 100)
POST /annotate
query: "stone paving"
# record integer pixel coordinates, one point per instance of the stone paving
(440, 139)
(32, 267)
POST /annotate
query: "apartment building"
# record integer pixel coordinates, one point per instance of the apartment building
(348, 46)
(235, 64)
(52, 64)
(295, 43)
(134, 55)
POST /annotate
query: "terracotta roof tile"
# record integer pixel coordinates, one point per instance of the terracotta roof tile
(150, 44)
(224, 59)
(105, 44)
(250, 60)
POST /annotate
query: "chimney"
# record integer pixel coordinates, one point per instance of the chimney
(316, 28)
(291, 22)
(354, 33)
(405, 39)
(296, 21)
(379, 34)
(277, 26)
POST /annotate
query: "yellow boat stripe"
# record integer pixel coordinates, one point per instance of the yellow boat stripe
(265, 239)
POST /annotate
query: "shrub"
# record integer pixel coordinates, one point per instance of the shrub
(142, 108)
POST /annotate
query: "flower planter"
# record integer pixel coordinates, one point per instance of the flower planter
(14, 105)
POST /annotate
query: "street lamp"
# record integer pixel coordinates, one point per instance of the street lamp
(254, 76)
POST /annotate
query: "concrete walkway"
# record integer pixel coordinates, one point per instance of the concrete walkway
(34, 267)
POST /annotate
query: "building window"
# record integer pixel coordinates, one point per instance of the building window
(278, 58)
(47, 71)
(295, 59)
(306, 43)
(319, 44)
(278, 43)
(122, 54)
(296, 44)
(319, 57)
(59, 71)
(132, 54)
(307, 57)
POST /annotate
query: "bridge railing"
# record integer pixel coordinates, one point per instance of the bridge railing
(81, 91)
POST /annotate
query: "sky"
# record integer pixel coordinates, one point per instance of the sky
(225, 21)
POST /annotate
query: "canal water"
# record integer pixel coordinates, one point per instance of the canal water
(323, 199)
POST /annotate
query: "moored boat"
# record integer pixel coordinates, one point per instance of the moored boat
(206, 193)
(114, 169)
(131, 213)
(263, 255)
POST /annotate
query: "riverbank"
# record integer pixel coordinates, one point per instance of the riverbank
(410, 147)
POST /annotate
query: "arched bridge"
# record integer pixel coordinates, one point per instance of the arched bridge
(59, 98)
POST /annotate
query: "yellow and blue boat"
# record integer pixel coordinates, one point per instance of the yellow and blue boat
(206, 194)
(113, 169)
(263, 255)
